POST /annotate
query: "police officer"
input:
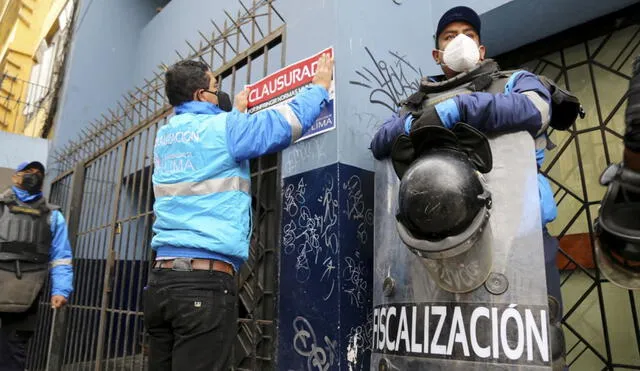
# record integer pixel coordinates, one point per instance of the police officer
(33, 234)
(618, 226)
(522, 102)
(201, 182)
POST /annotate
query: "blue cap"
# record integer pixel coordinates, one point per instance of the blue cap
(30, 165)
(458, 14)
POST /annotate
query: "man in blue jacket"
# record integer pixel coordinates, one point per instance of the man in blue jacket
(201, 182)
(33, 234)
(524, 105)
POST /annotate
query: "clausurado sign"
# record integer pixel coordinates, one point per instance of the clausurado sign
(281, 87)
(513, 334)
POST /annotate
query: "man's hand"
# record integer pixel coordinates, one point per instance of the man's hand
(241, 101)
(58, 301)
(324, 73)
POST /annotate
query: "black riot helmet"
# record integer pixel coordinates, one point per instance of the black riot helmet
(618, 228)
(442, 203)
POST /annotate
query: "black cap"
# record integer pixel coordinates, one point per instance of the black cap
(30, 165)
(458, 14)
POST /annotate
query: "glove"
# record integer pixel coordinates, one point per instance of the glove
(428, 131)
(429, 117)
(402, 155)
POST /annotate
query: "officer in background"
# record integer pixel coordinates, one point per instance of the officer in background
(473, 91)
(202, 185)
(33, 236)
(618, 225)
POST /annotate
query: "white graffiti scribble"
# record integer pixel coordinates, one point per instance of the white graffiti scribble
(305, 343)
(329, 267)
(294, 196)
(289, 237)
(359, 340)
(312, 237)
(356, 209)
(355, 283)
(352, 351)
(330, 217)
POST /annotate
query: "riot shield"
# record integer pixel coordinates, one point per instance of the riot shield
(500, 325)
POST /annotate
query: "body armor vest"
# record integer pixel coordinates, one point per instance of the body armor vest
(25, 231)
(488, 78)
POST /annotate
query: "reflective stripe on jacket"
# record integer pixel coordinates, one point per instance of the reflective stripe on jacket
(201, 178)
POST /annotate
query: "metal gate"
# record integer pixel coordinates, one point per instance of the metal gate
(594, 61)
(103, 183)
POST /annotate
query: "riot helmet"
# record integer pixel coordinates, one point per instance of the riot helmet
(441, 195)
(618, 228)
(443, 207)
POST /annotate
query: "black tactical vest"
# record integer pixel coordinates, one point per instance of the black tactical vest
(487, 77)
(25, 230)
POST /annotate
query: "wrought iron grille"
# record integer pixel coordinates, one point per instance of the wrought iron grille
(594, 61)
(104, 181)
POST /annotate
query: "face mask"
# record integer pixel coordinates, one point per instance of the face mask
(461, 54)
(32, 182)
(224, 102)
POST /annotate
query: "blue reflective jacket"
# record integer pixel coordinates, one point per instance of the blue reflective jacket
(60, 257)
(201, 176)
(518, 108)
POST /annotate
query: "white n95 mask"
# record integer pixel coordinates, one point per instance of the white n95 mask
(461, 54)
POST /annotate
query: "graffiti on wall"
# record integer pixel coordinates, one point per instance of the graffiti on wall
(389, 79)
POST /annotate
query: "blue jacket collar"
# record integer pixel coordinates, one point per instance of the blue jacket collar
(25, 196)
(198, 107)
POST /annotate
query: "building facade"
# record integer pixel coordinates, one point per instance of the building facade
(34, 38)
(32, 51)
(305, 303)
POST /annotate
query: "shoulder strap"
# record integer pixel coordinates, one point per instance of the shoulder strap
(565, 106)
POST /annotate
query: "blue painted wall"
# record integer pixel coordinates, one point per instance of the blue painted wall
(326, 259)
(12, 153)
(102, 60)
(378, 64)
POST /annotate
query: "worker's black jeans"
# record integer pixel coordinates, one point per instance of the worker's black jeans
(15, 331)
(190, 317)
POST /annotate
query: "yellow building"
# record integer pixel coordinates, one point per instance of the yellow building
(33, 37)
